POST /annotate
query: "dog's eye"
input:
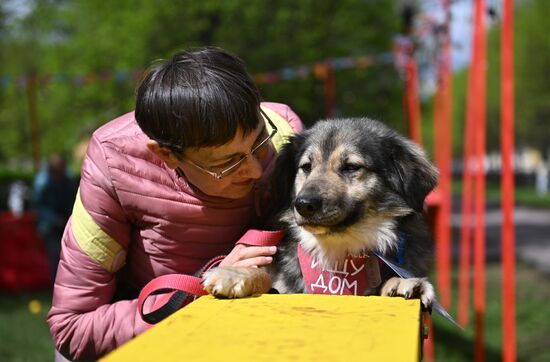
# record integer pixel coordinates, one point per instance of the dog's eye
(306, 167)
(350, 168)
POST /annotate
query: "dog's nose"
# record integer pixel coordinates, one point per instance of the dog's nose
(307, 206)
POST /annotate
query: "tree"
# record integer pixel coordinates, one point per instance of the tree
(103, 41)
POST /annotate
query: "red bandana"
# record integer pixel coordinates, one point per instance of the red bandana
(354, 276)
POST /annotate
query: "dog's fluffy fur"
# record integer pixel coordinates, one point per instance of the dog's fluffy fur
(345, 186)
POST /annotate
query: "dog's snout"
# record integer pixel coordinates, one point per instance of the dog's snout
(308, 206)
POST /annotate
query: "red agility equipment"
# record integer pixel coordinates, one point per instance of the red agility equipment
(443, 160)
(507, 185)
(412, 102)
(479, 118)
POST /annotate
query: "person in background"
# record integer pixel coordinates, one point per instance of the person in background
(165, 189)
(53, 195)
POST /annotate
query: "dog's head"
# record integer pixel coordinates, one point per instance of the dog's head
(350, 178)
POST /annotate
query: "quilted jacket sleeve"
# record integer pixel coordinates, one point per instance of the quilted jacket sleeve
(83, 323)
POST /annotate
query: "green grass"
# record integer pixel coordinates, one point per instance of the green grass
(24, 336)
(528, 197)
(524, 196)
(532, 318)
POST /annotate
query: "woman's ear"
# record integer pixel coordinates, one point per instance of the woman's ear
(163, 153)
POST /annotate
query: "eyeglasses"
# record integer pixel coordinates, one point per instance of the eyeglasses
(258, 151)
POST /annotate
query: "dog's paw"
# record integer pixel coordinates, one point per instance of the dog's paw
(410, 289)
(234, 282)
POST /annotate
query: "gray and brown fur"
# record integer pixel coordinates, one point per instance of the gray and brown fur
(348, 186)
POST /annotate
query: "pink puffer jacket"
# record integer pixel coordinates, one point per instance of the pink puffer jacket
(134, 220)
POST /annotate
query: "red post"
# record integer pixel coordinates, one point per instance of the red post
(507, 184)
(411, 99)
(465, 252)
(479, 73)
(429, 343)
(469, 167)
(442, 217)
(330, 91)
(443, 158)
(324, 72)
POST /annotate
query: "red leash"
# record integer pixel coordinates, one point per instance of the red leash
(183, 288)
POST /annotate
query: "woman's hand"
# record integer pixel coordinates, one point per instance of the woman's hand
(249, 256)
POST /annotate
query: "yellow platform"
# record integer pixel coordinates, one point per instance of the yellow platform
(283, 328)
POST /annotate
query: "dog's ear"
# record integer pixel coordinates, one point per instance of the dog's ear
(410, 173)
(284, 174)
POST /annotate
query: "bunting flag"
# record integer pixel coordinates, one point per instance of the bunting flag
(121, 76)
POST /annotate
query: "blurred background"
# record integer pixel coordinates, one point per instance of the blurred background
(67, 67)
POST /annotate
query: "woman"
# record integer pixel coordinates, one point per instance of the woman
(164, 190)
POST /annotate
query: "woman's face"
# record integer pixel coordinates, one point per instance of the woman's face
(238, 183)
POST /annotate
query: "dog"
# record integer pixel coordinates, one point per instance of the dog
(344, 190)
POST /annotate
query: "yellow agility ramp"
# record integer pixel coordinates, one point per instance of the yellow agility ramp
(293, 327)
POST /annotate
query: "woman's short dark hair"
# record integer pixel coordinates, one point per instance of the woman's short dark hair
(200, 97)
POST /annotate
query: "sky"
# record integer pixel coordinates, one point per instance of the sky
(461, 28)
(18, 7)
(461, 33)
